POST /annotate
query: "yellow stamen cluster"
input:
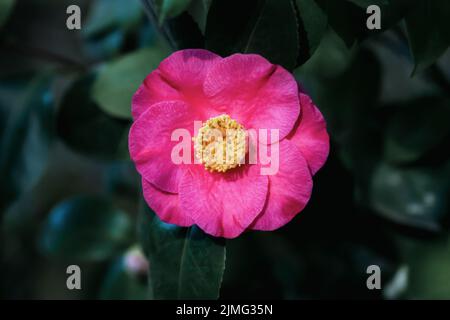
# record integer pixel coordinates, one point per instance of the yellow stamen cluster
(220, 144)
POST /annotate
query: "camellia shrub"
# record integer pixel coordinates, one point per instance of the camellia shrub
(204, 149)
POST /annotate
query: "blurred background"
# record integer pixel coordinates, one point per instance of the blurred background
(69, 193)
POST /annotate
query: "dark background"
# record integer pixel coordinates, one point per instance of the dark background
(69, 193)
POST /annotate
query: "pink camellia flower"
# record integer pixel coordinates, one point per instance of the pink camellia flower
(242, 91)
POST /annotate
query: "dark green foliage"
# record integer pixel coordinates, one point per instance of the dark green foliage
(85, 128)
(187, 263)
(428, 31)
(267, 27)
(84, 228)
(28, 128)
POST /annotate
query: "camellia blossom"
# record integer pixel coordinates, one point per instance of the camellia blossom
(242, 91)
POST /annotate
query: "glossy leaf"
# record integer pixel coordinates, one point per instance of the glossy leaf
(6, 7)
(105, 46)
(398, 87)
(199, 11)
(29, 130)
(185, 263)
(268, 28)
(38, 37)
(427, 262)
(348, 18)
(330, 60)
(184, 33)
(417, 128)
(84, 228)
(87, 129)
(105, 15)
(180, 32)
(119, 80)
(349, 113)
(314, 21)
(428, 31)
(412, 197)
(170, 8)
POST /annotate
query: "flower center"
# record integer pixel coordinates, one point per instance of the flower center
(220, 144)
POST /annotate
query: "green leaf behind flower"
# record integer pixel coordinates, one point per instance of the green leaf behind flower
(6, 7)
(417, 128)
(29, 130)
(199, 11)
(427, 263)
(428, 31)
(185, 263)
(265, 27)
(119, 79)
(170, 8)
(85, 128)
(85, 228)
(413, 197)
(106, 15)
(314, 21)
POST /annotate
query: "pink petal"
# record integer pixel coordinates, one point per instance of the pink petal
(150, 143)
(223, 204)
(154, 89)
(255, 92)
(179, 77)
(165, 205)
(289, 190)
(310, 134)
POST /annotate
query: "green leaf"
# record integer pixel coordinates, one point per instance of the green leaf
(105, 15)
(265, 27)
(105, 47)
(6, 7)
(428, 32)
(122, 282)
(108, 24)
(37, 37)
(398, 87)
(180, 32)
(428, 262)
(350, 114)
(413, 197)
(185, 263)
(119, 80)
(314, 22)
(348, 18)
(27, 140)
(87, 129)
(123, 180)
(184, 33)
(170, 8)
(85, 228)
(199, 11)
(331, 59)
(392, 12)
(417, 128)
